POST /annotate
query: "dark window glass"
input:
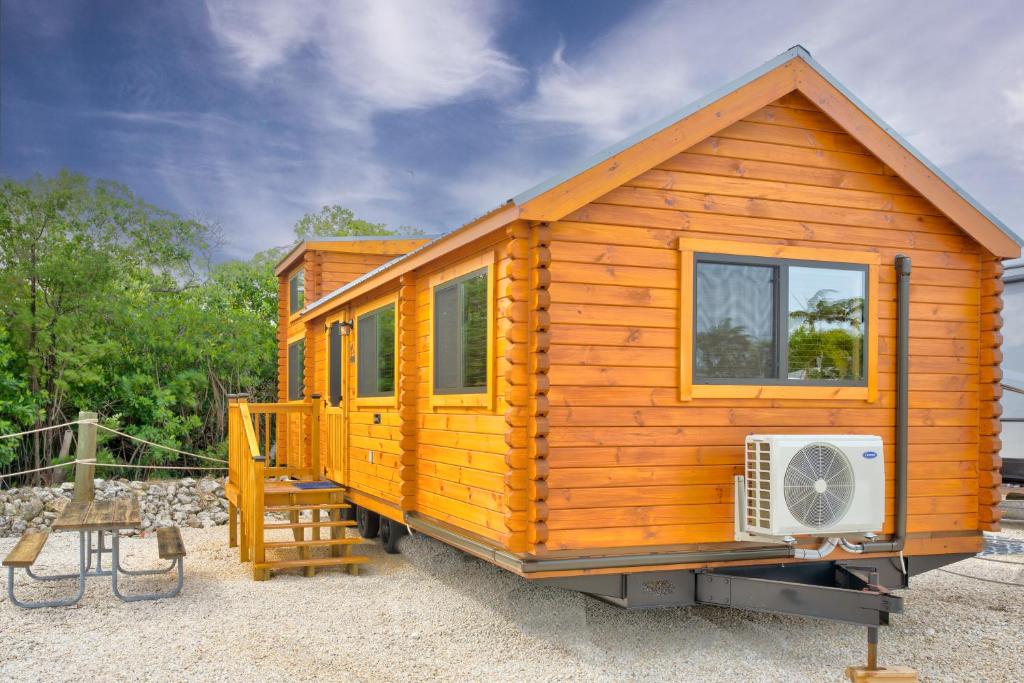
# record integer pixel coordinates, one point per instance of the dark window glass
(774, 321)
(296, 370)
(474, 332)
(386, 350)
(446, 347)
(735, 326)
(826, 323)
(460, 335)
(297, 291)
(334, 364)
(375, 343)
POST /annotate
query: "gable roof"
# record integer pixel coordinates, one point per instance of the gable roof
(353, 244)
(793, 70)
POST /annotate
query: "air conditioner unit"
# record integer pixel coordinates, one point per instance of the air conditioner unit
(801, 484)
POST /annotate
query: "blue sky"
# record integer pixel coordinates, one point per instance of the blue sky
(252, 113)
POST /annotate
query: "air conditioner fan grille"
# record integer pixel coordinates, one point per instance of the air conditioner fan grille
(818, 485)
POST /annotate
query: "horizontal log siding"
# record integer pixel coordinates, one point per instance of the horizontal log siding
(460, 464)
(340, 268)
(632, 466)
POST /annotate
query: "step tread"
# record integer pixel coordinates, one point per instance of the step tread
(310, 525)
(310, 506)
(318, 562)
(314, 543)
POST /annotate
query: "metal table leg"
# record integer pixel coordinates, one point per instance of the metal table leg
(90, 551)
(54, 603)
(116, 562)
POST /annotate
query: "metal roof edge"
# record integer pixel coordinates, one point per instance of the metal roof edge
(387, 265)
(660, 125)
(941, 175)
(349, 238)
(797, 51)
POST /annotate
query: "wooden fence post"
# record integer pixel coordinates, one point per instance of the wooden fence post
(314, 437)
(85, 454)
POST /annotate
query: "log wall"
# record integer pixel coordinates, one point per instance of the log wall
(631, 465)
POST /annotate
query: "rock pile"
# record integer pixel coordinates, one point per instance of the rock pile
(177, 502)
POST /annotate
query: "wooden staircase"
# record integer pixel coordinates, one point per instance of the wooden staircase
(286, 486)
(281, 497)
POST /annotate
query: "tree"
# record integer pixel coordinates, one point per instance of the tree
(835, 350)
(104, 309)
(336, 221)
(68, 247)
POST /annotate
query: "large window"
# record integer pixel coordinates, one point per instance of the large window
(296, 370)
(375, 337)
(777, 321)
(767, 321)
(297, 291)
(460, 334)
(334, 364)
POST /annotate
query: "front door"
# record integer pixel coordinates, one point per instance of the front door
(335, 431)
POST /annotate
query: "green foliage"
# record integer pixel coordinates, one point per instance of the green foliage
(337, 221)
(17, 409)
(825, 354)
(104, 310)
(829, 342)
(728, 350)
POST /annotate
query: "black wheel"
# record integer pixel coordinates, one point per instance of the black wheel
(390, 532)
(348, 514)
(367, 522)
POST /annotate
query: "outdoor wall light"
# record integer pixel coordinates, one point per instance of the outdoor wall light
(346, 327)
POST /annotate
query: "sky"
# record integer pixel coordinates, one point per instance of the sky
(427, 114)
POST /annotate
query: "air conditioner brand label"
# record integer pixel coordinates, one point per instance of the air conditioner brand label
(870, 454)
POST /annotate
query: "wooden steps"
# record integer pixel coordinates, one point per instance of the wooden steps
(310, 525)
(326, 507)
(315, 543)
(318, 562)
(312, 506)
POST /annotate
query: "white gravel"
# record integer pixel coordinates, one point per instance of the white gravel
(434, 613)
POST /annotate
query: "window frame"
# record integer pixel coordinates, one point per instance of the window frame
(329, 325)
(693, 251)
(299, 338)
(294, 310)
(480, 398)
(376, 399)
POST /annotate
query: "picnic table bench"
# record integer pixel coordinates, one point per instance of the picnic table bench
(102, 518)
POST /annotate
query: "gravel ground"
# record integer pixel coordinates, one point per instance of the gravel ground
(434, 613)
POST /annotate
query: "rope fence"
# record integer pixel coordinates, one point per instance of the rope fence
(93, 462)
(44, 429)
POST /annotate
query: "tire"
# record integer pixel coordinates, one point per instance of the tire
(348, 514)
(367, 522)
(390, 532)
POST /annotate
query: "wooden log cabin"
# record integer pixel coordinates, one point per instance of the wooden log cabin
(564, 386)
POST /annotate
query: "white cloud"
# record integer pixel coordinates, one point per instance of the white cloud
(386, 55)
(1015, 101)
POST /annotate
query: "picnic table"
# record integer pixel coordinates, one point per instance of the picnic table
(96, 522)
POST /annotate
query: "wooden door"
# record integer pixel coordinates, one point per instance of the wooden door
(335, 446)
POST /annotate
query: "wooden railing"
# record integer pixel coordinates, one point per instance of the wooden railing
(267, 440)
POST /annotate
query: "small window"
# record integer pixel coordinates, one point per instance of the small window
(296, 370)
(297, 292)
(773, 321)
(375, 334)
(460, 335)
(334, 364)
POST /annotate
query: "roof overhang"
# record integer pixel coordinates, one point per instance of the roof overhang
(793, 70)
(796, 70)
(386, 245)
(474, 230)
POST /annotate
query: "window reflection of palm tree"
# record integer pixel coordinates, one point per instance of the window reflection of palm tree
(821, 345)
